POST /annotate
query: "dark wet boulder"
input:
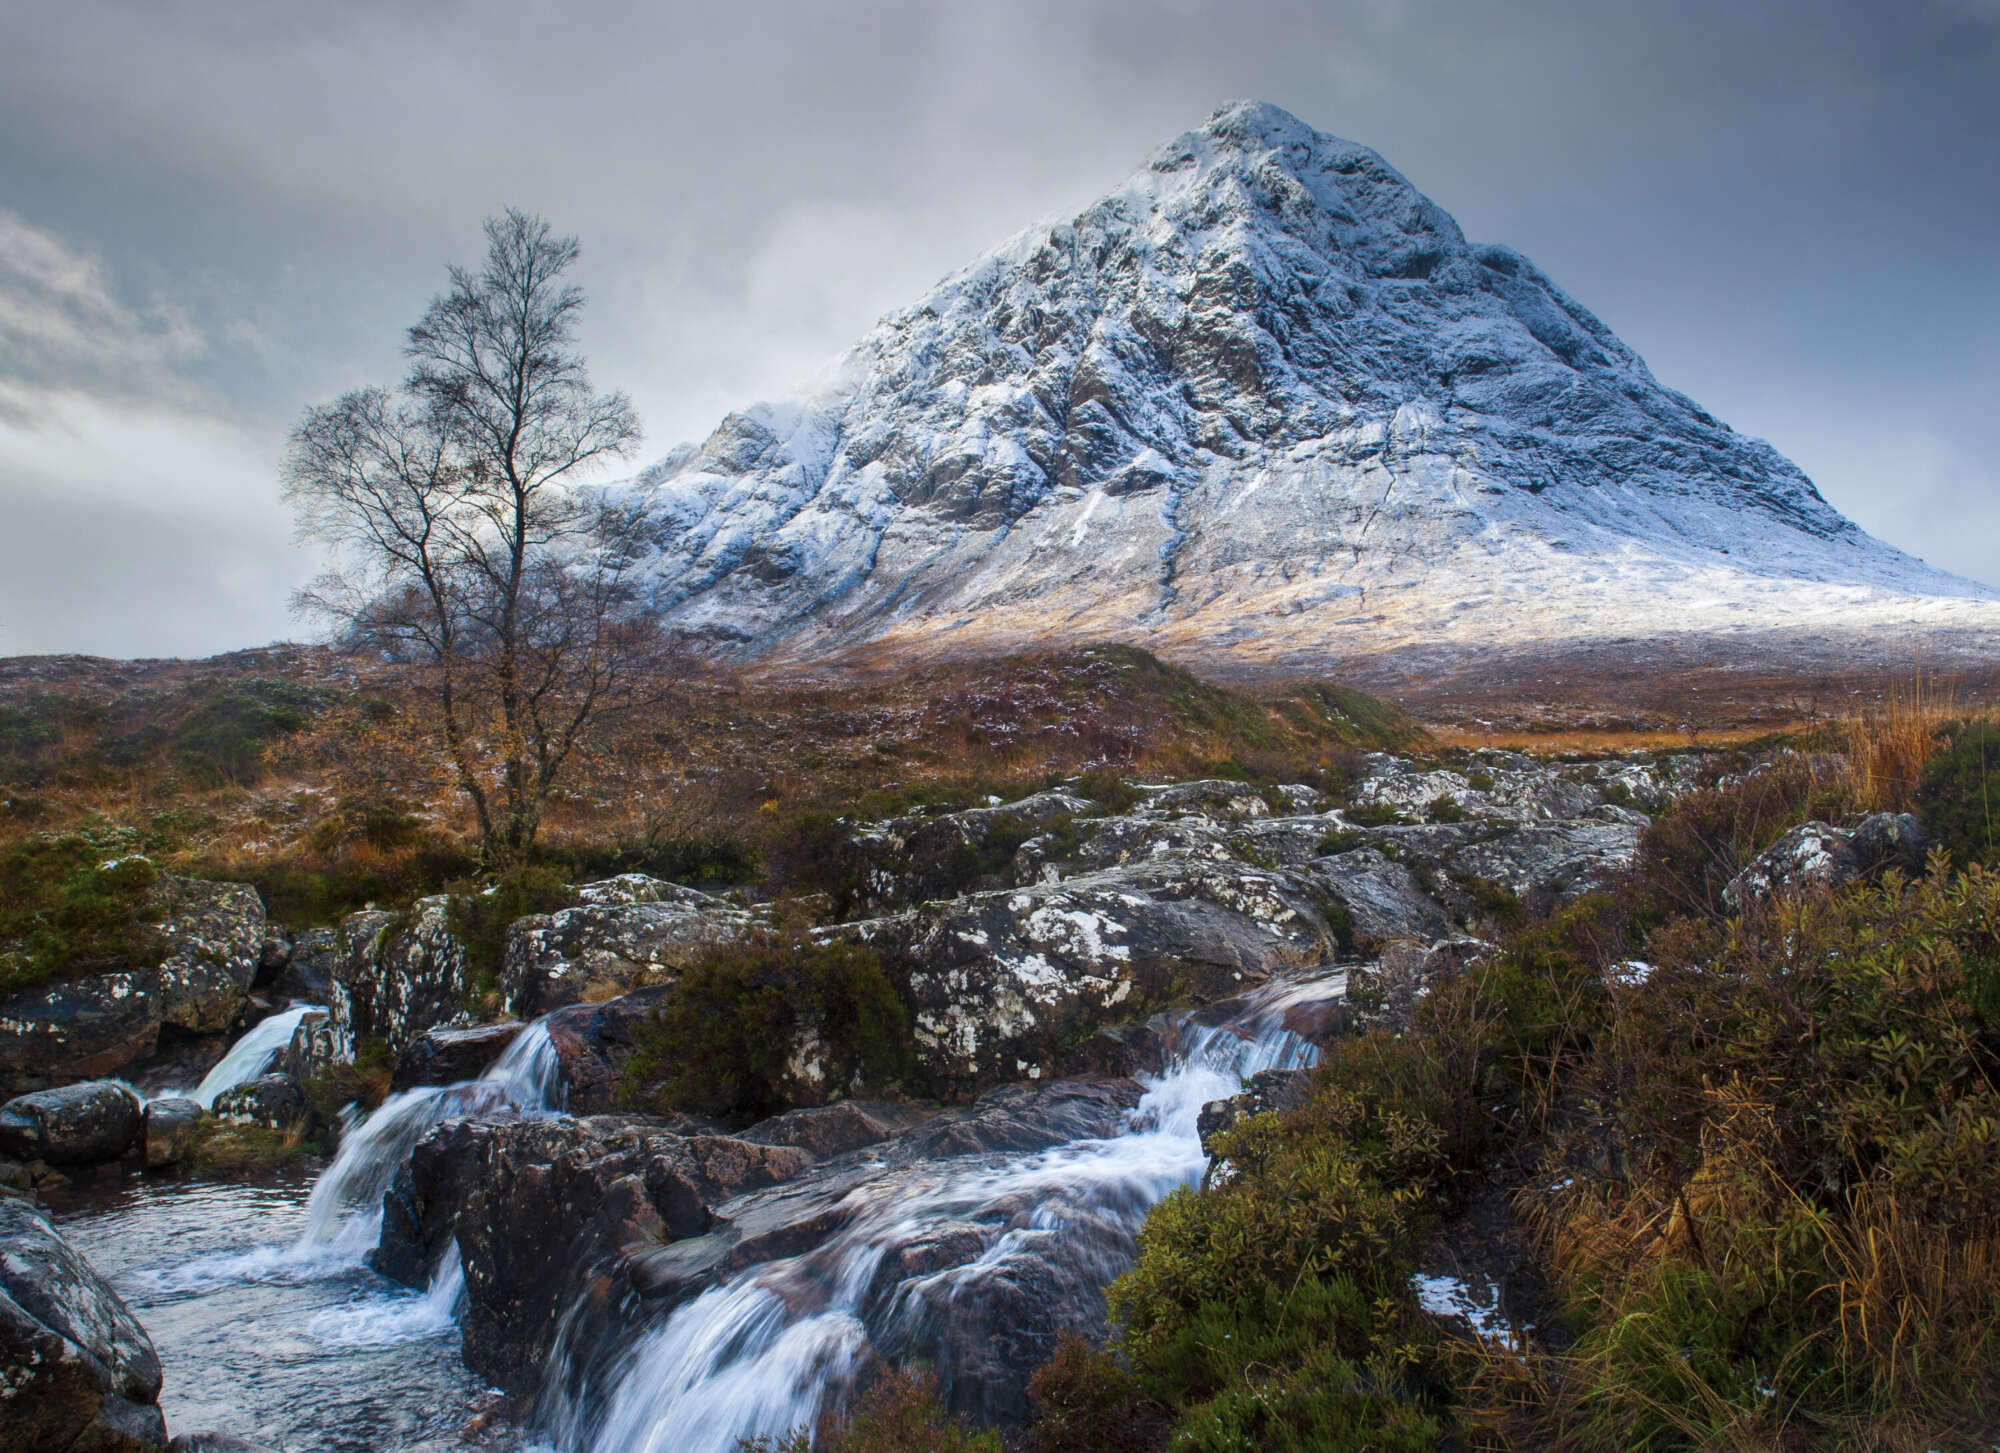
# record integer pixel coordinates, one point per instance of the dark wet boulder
(77, 1372)
(83, 1124)
(272, 1101)
(272, 960)
(1272, 1090)
(307, 974)
(447, 1056)
(626, 933)
(1886, 840)
(533, 1204)
(396, 975)
(169, 1135)
(101, 1024)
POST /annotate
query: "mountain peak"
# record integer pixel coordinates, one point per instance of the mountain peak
(1262, 402)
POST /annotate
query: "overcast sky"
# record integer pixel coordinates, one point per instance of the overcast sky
(212, 215)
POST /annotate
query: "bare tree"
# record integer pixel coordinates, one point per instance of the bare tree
(466, 544)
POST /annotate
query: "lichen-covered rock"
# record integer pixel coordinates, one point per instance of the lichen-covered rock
(316, 1047)
(1215, 799)
(628, 932)
(999, 982)
(274, 1102)
(77, 1372)
(1381, 897)
(398, 974)
(913, 859)
(83, 1124)
(170, 1129)
(100, 1024)
(1815, 855)
(447, 1056)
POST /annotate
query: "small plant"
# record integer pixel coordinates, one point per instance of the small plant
(1446, 808)
(1959, 797)
(1374, 814)
(900, 1413)
(1479, 781)
(1107, 787)
(480, 915)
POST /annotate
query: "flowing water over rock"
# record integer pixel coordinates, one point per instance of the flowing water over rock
(763, 1353)
(251, 1055)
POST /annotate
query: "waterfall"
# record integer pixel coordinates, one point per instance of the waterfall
(251, 1055)
(344, 1213)
(764, 1353)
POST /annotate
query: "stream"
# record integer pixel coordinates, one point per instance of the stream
(270, 1325)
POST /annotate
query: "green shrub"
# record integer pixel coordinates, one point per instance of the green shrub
(1107, 787)
(900, 1413)
(1447, 809)
(722, 1044)
(65, 909)
(1959, 798)
(222, 740)
(1374, 814)
(1087, 1401)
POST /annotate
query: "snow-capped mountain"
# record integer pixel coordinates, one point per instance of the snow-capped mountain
(1265, 406)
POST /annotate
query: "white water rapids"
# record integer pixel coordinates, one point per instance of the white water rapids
(251, 1055)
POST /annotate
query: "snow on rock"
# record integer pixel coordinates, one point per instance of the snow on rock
(1263, 404)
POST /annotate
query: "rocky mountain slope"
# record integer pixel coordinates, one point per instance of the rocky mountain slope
(1265, 407)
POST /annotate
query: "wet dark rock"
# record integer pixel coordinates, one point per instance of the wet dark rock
(77, 1371)
(213, 1443)
(593, 1043)
(85, 1124)
(447, 1056)
(1888, 840)
(272, 959)
(100, 1024)
(398, 974)
(627, 933)
(824, 1131)
(272, 1101)
(170, 1130)
(307, 976)
(533, 1204)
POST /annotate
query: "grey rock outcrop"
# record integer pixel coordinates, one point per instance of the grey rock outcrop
(100, 1024)
(447, 1056)
(1815, 855)
(626, 934)
(77, 1372)
(83, 1124)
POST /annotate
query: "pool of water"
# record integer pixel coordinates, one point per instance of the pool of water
(296, 1351)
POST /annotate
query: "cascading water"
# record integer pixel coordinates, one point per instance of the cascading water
(251, 1055)
(344, 1215)
(764, 1353)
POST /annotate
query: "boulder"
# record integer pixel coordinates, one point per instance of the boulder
(534, 1205)
(1817, 856)
(592, 1044)
(397, 974)
(1270, 1090)
(824, 1131)
(627, 933)
(274, 1102)
(83, 1124)
(170, 1130)
(100, 1024)
(447, 1056)
(272, 959)
(1001, 982)
(315, 1048)
(77, 1371)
